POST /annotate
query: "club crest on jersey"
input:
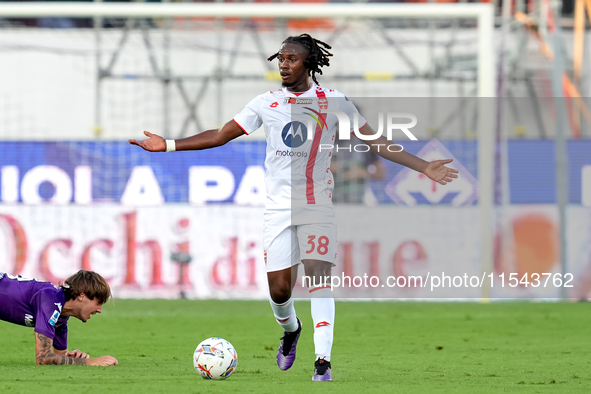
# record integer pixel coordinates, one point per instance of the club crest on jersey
(323, 103)
(294, 100)
(294, 134)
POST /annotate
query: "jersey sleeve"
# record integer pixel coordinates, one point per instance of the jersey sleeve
(350, 109)
(249, 119)
(60, 341)
(46, 311)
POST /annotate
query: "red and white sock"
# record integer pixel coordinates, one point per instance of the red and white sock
(323, 310)
(285, 315)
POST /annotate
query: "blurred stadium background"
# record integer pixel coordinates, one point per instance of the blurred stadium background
(507, 100)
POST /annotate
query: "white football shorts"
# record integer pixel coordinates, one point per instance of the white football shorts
(287, 244)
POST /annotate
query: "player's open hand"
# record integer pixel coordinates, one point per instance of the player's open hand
(154, 143)
(437, 171)
(77, 354)
(103, 361)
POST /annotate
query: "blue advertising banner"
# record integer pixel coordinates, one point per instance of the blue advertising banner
(116, 172)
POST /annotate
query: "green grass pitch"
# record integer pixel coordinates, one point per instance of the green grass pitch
(380, 347)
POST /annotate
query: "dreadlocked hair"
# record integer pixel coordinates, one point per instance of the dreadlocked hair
(318, 53)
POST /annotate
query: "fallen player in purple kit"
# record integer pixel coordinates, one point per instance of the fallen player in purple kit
(31, 303)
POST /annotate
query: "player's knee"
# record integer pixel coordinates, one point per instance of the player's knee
(280, 294)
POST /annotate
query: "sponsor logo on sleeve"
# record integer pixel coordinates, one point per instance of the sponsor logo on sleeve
(54, 317)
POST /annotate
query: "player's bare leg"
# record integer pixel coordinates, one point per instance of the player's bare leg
(281, 284)
(323, 312)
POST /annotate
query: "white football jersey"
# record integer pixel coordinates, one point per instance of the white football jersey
(299, 133)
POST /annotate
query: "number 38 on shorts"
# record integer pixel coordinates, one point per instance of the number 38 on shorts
(317, 241)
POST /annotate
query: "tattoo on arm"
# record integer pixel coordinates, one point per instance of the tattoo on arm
(46, 357)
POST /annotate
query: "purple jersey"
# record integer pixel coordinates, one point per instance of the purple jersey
(31, 303)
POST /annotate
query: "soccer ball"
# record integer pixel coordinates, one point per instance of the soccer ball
(215, 358)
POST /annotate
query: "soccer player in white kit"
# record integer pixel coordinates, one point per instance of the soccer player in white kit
(300, 225)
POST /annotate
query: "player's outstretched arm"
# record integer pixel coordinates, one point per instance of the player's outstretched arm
(44, 355)
(435, 170)
(207, 139)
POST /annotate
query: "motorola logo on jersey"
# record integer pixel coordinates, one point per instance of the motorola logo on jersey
(294, 134)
